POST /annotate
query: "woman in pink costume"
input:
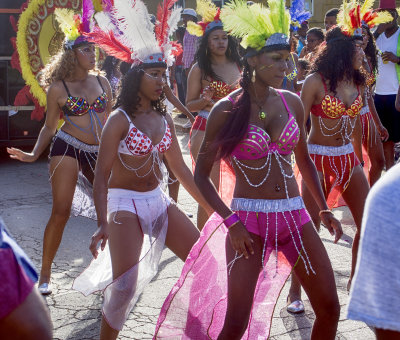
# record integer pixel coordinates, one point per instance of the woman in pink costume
(215, 74)
(234, 274)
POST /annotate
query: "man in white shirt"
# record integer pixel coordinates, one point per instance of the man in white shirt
(387, 82)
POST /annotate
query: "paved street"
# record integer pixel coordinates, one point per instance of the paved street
(25, 204)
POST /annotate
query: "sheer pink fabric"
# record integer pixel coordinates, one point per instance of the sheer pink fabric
(196, 306)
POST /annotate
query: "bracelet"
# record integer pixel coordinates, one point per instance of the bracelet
(324, 211)
(231, 220)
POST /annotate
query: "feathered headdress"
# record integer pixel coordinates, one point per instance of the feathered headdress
(353, 16)
(298, 15)
(210, 15)
(141, 41)
(75, 26)
(260, 28)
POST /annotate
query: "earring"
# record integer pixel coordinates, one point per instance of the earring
(253, 77)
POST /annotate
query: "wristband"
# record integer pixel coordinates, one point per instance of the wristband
(231, 220)
(324, 211)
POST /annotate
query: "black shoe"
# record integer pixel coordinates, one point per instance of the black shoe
(181, 115)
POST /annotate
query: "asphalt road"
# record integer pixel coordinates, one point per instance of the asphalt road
(25, 205)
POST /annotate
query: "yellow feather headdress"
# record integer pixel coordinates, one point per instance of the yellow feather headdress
(210, 15)
(353, 16)
(75, 26)
(259, 27)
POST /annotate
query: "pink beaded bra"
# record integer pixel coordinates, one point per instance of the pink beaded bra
(257, 143)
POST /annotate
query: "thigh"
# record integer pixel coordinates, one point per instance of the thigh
(88, 164)
(125, 241)
(320, 287)
(182, 233)
(242, 278)
(309, 200)
(196, 139)
(356, 194)
(64, 175)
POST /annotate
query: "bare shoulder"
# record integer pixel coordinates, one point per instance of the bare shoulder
(291, 98)
(223, 108)
(169, 119)
(56, 89)
(314, 79)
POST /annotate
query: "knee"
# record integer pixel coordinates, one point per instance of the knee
(60, 213)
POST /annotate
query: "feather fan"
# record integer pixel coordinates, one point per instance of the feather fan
(163, 14)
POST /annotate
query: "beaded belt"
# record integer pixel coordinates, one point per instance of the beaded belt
(325, 150)
(76, 143)
(266, 206)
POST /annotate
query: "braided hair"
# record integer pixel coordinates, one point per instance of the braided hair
(235, 127)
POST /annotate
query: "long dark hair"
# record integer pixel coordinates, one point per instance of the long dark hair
(127, 95)
(204, 61)
(334, 61)
(235, 127)
(371, 50)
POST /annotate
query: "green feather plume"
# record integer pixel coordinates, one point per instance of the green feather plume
(256, 23)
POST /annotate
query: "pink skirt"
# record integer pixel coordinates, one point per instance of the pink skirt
(196, 306)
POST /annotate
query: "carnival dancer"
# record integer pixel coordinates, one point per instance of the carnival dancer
(134, 214)
(246, 252)
(75, 88)
(334, 98)
(215, 74)
(297, 16)
(372, 132)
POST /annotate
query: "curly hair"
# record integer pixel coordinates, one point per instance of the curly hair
(61, 67)
(334, 61)
(235, 127)
(371, 51)
(318, 33)
(204, 61)
(127, 94)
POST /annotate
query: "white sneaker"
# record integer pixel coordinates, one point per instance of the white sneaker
(45, 288)
(188, 125)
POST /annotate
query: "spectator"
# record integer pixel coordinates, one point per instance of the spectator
(189, 40)
(23, 314)
(387, 81)
(375, 293)
(301, 36)
(330, 18)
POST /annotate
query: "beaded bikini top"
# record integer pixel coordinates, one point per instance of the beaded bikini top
(77, 106)
(333, 108)
(257, 143)
(221, 89)
(138, 143)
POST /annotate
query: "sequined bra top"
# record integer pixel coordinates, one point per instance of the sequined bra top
(257, 142)
(77, 106)
(333, 108)
(137, 143)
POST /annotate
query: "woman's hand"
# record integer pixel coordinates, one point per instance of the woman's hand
(100, 234)
(383, 132)
(207, 94)
(21, 155)
(241, 240)
(332, 224)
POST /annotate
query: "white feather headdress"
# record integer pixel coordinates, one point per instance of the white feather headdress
(126, 32)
